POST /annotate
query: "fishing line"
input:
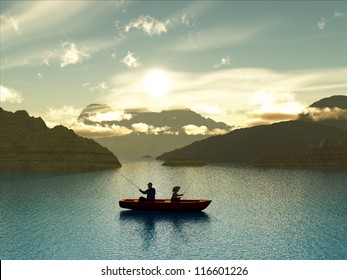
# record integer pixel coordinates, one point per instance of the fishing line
(127, 179)
(188, 186)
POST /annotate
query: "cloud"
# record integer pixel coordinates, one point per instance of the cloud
(321, 24)
(164, 129)
(192, 129)
(131, 61)
(8, 21)
(208, 109)
(150, 129)
(65, 115)
(37, 20)
(140, 127)
(63, 55)
(149, 25)
(97, 88)
(339, 15)
(109, 116)
(8, 94)
(273, 107)
(72, 54)
(114, 54)
(225, 94)
(224, 61)
(46, 59)
(319, 114)
(98, 131)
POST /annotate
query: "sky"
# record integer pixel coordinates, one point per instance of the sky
(240, 62)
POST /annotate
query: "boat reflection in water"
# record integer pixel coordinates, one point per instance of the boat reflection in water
(163, 229)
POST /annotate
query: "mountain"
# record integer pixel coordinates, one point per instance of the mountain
(338, 101)
(139, 132)
(283, 139)
(330, 111)
(26, 143)
(243, 145)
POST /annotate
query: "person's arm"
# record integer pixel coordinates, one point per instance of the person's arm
(144, 192)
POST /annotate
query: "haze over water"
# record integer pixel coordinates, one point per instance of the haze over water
(254, 214)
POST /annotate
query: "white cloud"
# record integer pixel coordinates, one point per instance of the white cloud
(65, 115)
(72, 54)
(41, 19)
(208, 109)
(98, 131)
(339, 15)
(10, 21)
(131, 61)
(114, 54)
(48, 56)
(192, 129)
(321, 24)
(140, 127)
(319, 114)
(97, 88)
(150, 129)
(224, 61)
(156, 130)
(109, 116)
(149, 25)
(185, 20)
(218, 131)
(8, 94)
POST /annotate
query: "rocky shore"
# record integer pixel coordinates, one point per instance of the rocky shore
(329, 154)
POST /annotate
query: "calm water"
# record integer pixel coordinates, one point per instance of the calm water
(254, 214)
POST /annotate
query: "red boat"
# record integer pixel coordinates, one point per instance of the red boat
(183, 205)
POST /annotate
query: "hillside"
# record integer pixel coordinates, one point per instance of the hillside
(243, 145)
(326, 118)
(26, 143)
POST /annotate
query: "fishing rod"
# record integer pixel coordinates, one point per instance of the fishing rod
(127, 179)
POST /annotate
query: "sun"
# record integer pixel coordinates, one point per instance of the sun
(156, 83)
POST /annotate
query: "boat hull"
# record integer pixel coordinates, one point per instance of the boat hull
(161, 205)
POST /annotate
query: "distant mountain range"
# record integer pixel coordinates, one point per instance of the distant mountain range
(26, 143)
(139, 132)
(326, 118)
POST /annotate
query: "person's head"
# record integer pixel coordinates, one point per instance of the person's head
(149, 185)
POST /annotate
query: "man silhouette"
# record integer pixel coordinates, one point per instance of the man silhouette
(150, 193)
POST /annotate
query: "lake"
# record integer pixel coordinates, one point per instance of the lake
(255, 214)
